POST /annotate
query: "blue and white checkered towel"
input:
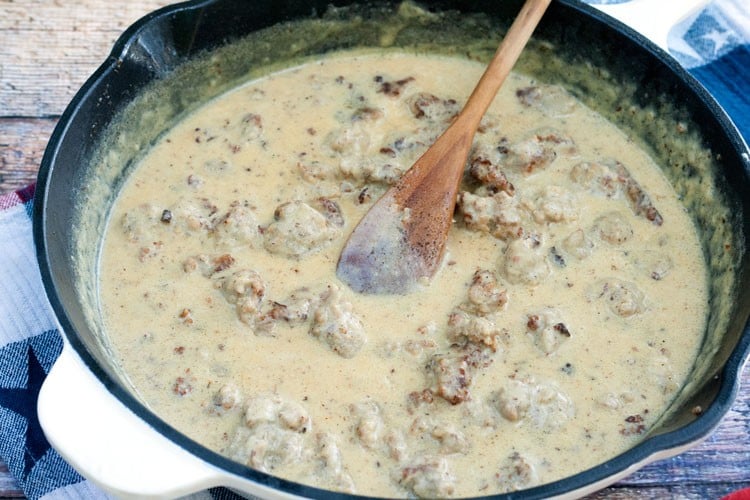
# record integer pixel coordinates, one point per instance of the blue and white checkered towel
(714, 45)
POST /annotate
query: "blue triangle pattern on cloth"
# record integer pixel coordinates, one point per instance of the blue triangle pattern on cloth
(23, 446)
(732, 93)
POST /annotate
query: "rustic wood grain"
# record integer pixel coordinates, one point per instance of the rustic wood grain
(47, 51)
(49, 48)
(22, 142)
(8, 486)
(680, 491)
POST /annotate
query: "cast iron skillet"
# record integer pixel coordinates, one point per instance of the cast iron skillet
(156, 45)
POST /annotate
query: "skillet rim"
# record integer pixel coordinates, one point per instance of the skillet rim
(637, 456)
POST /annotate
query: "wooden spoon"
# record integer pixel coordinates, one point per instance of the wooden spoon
(401, 240)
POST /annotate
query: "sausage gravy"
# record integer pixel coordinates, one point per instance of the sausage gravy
(567, 312)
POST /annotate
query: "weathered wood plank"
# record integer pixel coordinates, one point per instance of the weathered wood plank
(681, 491)
(22, 143)
(49, 48)
(8, 486)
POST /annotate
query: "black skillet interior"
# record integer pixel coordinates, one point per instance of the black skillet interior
(151, 50)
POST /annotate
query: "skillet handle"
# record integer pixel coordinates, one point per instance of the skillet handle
(653, 19)
(81, 420)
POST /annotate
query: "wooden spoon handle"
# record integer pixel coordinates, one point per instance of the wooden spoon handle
(441, 166)
(505, 58)
(434, 179)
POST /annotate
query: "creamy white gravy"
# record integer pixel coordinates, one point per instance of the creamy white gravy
(567, 313)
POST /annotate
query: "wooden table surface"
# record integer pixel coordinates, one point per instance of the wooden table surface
(49, 47)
